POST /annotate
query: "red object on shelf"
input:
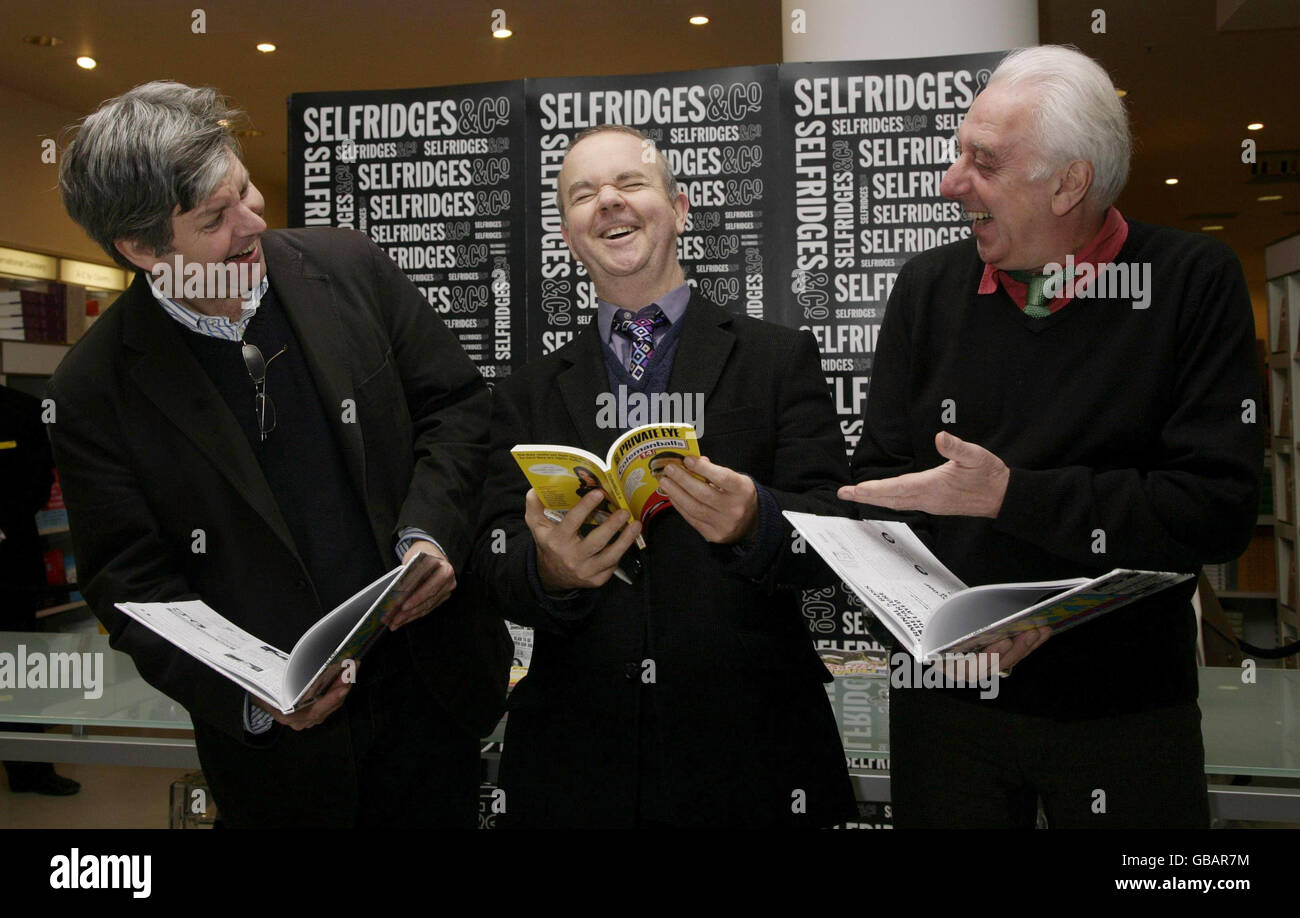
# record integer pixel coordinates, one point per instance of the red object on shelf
(56, 494)
(55, 572)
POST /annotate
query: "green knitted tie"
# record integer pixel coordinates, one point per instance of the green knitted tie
(1035, 299)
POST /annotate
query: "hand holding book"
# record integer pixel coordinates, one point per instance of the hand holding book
(567, 559)
(719, 503)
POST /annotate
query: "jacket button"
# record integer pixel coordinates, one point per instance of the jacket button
(630, 671)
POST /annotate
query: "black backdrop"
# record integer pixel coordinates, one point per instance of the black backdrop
(810, 185)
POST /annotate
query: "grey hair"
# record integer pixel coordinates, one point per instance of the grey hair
(1077, 114)
(665, 171)
(140, 156)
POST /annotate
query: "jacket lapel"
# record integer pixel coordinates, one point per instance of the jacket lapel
(309, 301)
(702, 352)
(173, 380)
(580, 384)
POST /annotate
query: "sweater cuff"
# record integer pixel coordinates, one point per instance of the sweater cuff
(1024, 512)
(754, 561)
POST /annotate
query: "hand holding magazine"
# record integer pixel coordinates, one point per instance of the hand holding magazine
(288, 681)
(628, 475)
(931, 612)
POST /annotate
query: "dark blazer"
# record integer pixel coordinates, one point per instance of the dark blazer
(743, 732)
(149, 453)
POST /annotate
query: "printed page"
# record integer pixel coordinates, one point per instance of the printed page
(977, 609)
(349, 630)
(561, 478)
(639, 457)
(1087, 600)
(205, 634)
(887, 566)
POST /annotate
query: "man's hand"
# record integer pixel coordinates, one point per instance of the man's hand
(723, 508)
(566, 561)
(316, 711)
(972, 482)
(427, 594)
(1010, 650)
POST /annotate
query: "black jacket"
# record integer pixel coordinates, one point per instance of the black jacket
(743, 732)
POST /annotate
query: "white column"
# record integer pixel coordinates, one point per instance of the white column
(867, 30)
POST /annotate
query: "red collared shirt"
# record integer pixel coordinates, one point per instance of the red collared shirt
(1103, 249)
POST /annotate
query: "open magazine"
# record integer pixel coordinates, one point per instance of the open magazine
(628, 475)
(931, 612)
(292, 680)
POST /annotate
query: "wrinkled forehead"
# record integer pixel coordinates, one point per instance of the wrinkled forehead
(605, 156)
(1000, 115)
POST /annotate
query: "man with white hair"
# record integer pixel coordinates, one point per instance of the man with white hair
(1066, 393)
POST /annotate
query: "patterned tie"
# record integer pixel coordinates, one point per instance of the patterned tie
(641, 331)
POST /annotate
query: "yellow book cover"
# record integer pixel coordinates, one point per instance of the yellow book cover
(628, 474)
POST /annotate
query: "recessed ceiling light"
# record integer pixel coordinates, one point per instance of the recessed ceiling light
(1208, 229)
(1269, 197)
(86, 63)
(502, 33)
(1171, 181)
(265, 47)
(699, 20)
(43, 41)
(1255, 126)
(1121, 93)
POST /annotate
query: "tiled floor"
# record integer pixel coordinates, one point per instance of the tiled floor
(111, 797)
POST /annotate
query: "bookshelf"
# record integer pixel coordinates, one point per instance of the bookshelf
(1282, 270)
(46, 303)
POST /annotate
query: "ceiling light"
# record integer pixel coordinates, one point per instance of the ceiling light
(1208, 229)
(1121, 93)
(1171, 181)
(1269, 197)
(699, 20)
(86, 63)
(1255, 126)
(502, 33)
(265, 47)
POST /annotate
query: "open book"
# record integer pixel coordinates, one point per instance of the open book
(292, 680)
(629, 473)
(931, 612)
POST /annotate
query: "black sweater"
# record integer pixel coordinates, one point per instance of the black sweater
(1130, 421)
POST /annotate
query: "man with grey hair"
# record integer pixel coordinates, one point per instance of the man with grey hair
(267, 421)
(1067, 393)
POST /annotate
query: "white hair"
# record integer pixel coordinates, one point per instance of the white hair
(1077, 114)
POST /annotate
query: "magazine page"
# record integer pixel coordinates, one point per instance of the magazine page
(205, 634)
(976, 610)
(562, 477)
(887, 566)
(1086, 601)
(348, 631)
(639, 457)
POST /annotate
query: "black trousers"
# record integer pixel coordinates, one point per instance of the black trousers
(414, 767)
(956, 763)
